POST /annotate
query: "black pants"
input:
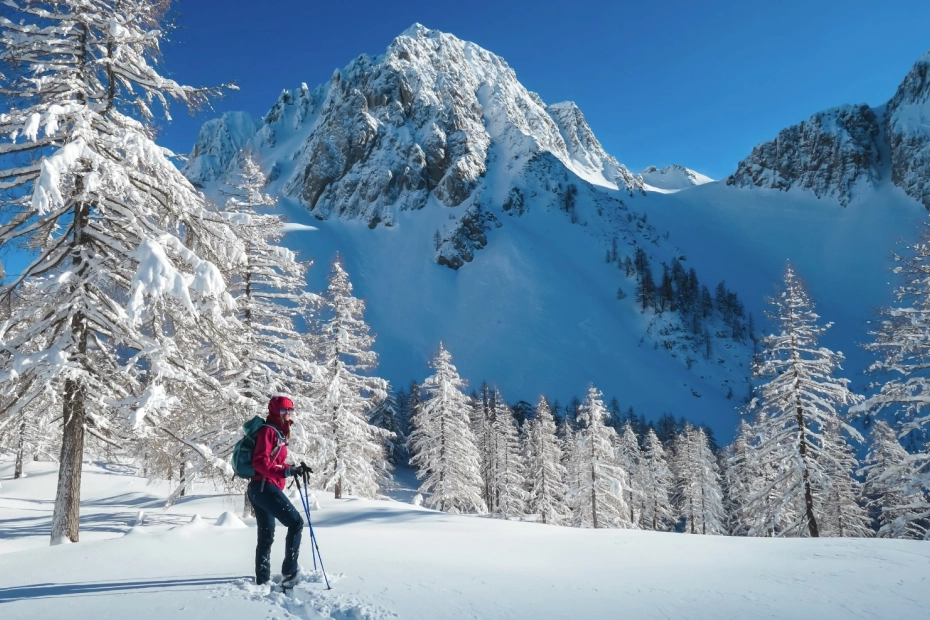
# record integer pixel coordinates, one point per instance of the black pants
(270, 503)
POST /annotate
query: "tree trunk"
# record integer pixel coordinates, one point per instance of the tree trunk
(182, 477)
(67, 513)
(20, 449)
(808, 493)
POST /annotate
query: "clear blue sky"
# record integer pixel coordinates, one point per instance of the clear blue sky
(696, 83)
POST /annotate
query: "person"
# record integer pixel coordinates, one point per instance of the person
(266, 492)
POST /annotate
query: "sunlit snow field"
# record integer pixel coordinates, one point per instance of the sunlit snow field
(392, 559)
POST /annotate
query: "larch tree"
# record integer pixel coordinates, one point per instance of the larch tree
(798, 394)
(442, 445)
(843, 511)
(629, 458)
(902, 342)
(508, 483)
(743, 477)
(697, 490)
(107, 217)
(544, 470)
(353, 458)
(891, 487)
(597, 500)
(657, 513)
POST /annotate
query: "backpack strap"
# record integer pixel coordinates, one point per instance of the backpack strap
(281, 440)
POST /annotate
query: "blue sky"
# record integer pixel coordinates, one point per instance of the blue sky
(673, 82)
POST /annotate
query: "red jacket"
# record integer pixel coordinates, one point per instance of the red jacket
(270, 453)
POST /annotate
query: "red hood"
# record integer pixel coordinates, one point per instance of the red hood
(274, 414)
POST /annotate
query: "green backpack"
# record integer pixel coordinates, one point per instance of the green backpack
(245, 447)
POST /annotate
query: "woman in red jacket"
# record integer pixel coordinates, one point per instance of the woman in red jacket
(266, 492)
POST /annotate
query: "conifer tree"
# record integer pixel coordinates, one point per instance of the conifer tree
(354, 460)
(697, 490)
(629, 458)
(110, 219)
(544, 470)
(797, 396)
(597, 499)
(902, 342)
(657, 511)
(388, 415)
(890, 486)
(508, 483)
(843, 514)
(442, 445)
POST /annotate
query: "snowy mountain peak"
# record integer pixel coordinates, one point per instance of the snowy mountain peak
(432, 118)
(838, 150)
(672, 178)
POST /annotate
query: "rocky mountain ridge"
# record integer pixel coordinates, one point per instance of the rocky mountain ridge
(837, 150)
(388, 133)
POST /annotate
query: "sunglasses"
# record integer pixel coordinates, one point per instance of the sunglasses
(287, 412)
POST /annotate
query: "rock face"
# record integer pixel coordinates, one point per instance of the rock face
(424, 121)
(907, 130)
(835, 151)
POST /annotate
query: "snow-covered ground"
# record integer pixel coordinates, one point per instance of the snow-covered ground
(392, 559)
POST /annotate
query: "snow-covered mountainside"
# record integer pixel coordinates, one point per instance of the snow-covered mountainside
(424, 120)
(672, 178)
(470, 212)
(852, 146)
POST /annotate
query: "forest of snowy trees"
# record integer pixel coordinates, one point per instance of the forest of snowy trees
(151, 323)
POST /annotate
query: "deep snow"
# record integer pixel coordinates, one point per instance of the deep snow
(391, 559)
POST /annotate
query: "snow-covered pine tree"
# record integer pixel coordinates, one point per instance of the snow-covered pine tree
(353, 460)
(902, 341)
(656, 477)
(509, 495)
(267, 282)
(797, 395)
(387, 415)
(743, 478)
(843, 514)
(697, 490)
(107, 215)
(890, 485)
(482, 423)
(544, 470)
(597, 500)
(442, 445)
(629, 458)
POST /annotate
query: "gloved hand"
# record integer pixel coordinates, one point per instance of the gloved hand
(297, 471)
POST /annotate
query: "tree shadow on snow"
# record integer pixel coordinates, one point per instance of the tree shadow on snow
(117, 523)
(92, 588)
(330, 519)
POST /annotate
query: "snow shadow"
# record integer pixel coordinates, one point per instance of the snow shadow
(91, 588)
(361, 515)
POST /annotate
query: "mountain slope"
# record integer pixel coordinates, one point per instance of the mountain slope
(471, 212)
(672, 178)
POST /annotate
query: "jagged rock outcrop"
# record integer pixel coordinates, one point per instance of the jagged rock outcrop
(389, 133)
(828, 154)
(836, 150)
(217, 144)
(907, 129)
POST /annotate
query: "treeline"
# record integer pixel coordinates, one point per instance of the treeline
(792, 470)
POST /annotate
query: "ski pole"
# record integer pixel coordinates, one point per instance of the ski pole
(306, 502)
